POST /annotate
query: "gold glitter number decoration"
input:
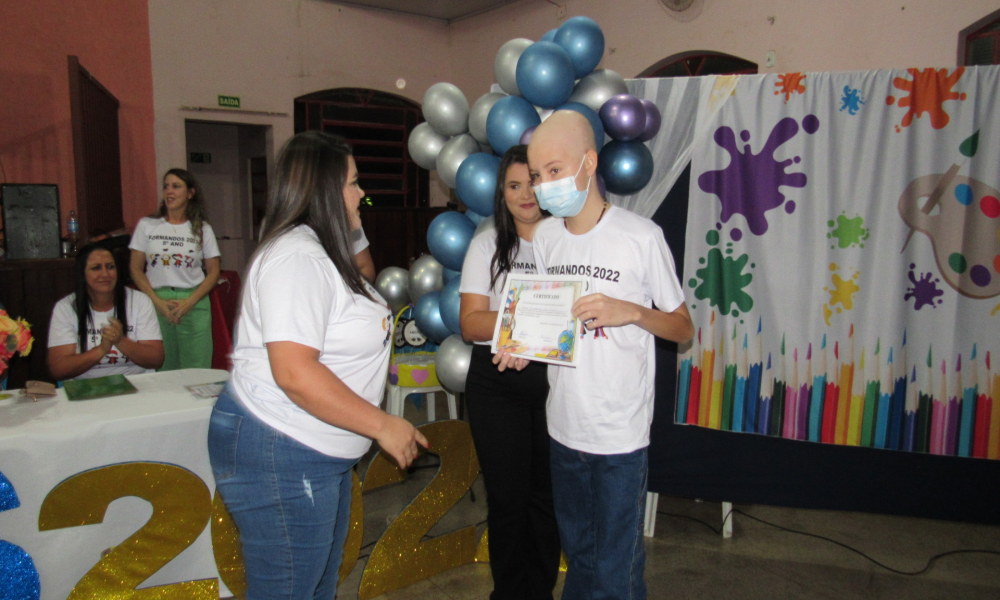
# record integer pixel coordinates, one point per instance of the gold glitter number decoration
(352, 545)
(181, 509)
(400, 558)
(227, 548)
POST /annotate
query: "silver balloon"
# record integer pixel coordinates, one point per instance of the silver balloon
(391, 283)
(597, 88)
(446, 109)
(477, 116)
(452, 154)
(505, 64)
(425, 144)
(452, 363)
(426, 275)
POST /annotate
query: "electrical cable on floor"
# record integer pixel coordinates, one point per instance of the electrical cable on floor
(930, 561)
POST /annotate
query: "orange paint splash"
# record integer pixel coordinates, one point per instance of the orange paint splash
(788, 84)
(928, 91)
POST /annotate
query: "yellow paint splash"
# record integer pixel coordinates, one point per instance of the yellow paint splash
(842, 293)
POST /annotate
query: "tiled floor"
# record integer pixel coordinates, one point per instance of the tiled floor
(687, 560)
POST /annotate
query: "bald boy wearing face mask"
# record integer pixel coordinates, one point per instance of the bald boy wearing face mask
(599, 413)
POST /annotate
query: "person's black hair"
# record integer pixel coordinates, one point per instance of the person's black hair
(82, 303)
(309, 180)
(508, 242)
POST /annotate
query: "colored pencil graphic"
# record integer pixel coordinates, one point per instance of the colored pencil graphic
(802, 425)
(993, 446)
(791, 399)
(694, 397)
(871, 398)
(707, 369)
(715, 403)
(983, 409)
(884, 402)
(910, 416)
(753, 385)
(766, 398)
(968, 393)
(922, 443)
(683, 385)
(776, 411)
(894, 439)
(844, 385)
(729, 385)
(954, 414)
(830, 397)
(857, 403)
(816, 409)
(739, 397)
(941, 412)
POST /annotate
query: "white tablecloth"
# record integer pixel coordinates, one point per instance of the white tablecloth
(45, 442)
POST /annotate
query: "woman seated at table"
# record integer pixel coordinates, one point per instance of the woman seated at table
(104, 328)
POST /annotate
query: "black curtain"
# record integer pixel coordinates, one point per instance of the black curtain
(697, 462)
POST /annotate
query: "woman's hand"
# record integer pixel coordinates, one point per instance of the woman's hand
(504, 360)
(400, 439)
(111, 334)
(181, 308)
(165, 308)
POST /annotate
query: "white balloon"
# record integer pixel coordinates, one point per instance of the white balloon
(452, 361)
(597, 88)
(426, 275)
(505, 64)
(477, 116)
(451, 156)
(424, 145)
(446, 109)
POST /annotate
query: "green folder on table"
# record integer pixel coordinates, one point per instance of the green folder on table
(98, 387)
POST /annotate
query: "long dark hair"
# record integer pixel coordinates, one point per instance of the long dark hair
(508, 242)
(195, 209)
(82, 304)
(309, 180)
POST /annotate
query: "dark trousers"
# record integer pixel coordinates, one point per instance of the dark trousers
(507, 417)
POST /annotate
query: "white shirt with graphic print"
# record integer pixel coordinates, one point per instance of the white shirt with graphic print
(142, 325)
(294, 293)
(605, 404)
(173, 256)
(476, 268)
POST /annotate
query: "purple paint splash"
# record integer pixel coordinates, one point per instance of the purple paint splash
(924, 290)
(749, 185)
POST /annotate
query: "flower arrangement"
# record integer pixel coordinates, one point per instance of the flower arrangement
(15, 336)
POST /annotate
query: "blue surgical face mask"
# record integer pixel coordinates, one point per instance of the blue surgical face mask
(560, 197)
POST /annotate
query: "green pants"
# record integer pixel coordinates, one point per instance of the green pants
(187, 345)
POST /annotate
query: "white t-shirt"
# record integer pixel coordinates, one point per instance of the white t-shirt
(294, 293)
(359, 241)
(605, 404)
(476, 268)
(173, 257)
(142, 325)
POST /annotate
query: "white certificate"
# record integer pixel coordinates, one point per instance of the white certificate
(536, 320)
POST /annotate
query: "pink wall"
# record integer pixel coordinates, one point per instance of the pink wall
(807, 35)
(111, 38)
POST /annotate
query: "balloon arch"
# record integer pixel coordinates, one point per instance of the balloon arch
(463, 143)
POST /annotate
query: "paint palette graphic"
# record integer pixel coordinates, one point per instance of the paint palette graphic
(961, 216)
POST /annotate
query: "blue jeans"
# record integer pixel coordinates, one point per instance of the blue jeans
(290, 503)
(600, 503)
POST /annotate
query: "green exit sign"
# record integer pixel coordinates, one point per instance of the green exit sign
(229, 101)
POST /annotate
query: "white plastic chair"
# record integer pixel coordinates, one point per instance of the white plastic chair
(397, 395)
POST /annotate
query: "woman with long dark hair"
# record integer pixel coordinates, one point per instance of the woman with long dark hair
(507, 409)
(103, 328)
(309, 371)
(175, 261)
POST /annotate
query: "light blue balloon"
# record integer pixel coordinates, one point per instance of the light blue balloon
(545, 75)
(448, 274)
(475, 217)
(583, 41)
(593, 117)
(508, 119)
(448, 238)
(427, 314)
(550, 35)
(626, 166)
(451, 306)
(476, 182)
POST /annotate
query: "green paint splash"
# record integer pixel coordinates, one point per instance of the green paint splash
(722, 283)
(849, 232)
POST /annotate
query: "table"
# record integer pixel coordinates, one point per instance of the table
(46, 442)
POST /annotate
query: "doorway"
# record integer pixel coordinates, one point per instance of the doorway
(229, 160)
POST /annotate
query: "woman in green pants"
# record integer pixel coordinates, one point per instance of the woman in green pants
(175, 261)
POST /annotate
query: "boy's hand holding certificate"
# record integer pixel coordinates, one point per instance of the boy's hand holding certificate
(536, 321)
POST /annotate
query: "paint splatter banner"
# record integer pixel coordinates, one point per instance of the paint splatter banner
(843, 261)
